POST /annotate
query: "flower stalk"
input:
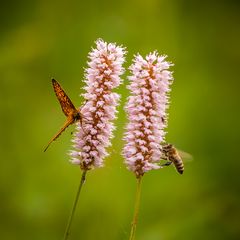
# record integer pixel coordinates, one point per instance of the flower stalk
(98, 112)
(69, 224)
(136, 209)
(146, 109)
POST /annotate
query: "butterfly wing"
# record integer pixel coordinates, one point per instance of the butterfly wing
(65, 102)
(68, 122)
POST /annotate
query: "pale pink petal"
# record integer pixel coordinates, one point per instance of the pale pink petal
(146, 108)
(101, 76)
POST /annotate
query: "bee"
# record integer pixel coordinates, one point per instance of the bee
(73, 115)
(174, 156)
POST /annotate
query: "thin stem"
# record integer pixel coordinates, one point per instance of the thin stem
(75, 205)
(136, 209)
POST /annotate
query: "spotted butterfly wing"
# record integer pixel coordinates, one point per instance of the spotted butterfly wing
(65, 102)
(67, 107)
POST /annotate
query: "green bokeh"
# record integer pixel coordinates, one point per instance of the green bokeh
(42, 39)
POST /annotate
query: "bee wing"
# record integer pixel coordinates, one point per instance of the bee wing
(65, 102)
(184, 155)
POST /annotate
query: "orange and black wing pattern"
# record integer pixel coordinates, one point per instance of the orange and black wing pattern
(65, 102)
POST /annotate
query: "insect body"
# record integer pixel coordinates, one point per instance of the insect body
(68, 109)
(172, 155)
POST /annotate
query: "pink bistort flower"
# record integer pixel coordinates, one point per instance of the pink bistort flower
(146, 109)
(102, 76)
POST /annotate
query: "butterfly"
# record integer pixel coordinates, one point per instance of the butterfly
(73, 115)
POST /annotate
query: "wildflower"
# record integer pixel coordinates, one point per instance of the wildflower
(146, 109)
(101, 77)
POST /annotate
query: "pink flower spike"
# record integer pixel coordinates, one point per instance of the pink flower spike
(146, 108)
(101, 76)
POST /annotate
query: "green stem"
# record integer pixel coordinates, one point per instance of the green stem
(75, 205)
(136, 209)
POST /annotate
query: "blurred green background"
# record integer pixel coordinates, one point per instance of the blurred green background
(41, 39)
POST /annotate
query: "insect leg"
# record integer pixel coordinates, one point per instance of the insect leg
(166, 164)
